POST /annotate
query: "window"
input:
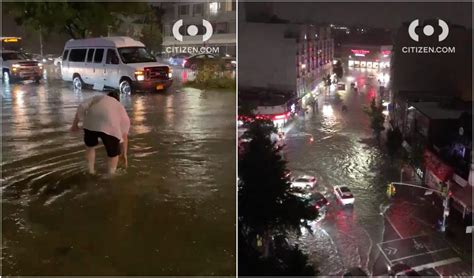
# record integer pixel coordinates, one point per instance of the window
(13, 56)
(90, 54)
(214, 7)
(221, 28)
(197, 9)
(112, 57)
(77, 55)
(66, 52)
(99, 53)
(135, 55)
(183, 10)
(234, 5)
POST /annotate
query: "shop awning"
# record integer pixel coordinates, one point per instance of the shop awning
(464, 197)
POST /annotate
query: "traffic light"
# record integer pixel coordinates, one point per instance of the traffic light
(391, 190)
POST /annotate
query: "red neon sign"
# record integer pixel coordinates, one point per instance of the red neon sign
(386, 52)
(360, 51)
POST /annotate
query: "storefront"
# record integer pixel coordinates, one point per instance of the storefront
(462, 195)
(437, 173)
(367, 56)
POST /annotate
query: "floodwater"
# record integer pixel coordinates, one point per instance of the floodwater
(338, 148)
(172, 212)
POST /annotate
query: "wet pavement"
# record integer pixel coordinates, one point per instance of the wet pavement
(172, 212)
(338, 148)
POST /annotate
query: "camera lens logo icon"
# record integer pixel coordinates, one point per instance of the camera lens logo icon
(192, 30)
(428, 30)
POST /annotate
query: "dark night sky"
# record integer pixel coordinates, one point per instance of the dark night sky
(387, 15)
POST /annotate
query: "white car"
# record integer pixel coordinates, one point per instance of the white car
(304, 182)
(57, 61)
(344, 195)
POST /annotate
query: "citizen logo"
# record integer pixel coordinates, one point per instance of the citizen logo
(192, 30)
(428, 30)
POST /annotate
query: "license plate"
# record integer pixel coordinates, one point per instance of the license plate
(160, 87)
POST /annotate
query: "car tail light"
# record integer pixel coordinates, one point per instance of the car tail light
(317, 206)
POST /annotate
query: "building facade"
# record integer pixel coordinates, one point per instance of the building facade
(432, 107)
(284, 57)
(220, 14)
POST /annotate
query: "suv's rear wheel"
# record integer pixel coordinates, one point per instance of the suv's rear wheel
(77, 82)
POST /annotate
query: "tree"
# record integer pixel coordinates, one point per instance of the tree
(151, 32)
(267, 206)
(338, 70)
(77, 19)
(377, 119)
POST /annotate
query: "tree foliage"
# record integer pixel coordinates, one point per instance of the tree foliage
(377, 119)
(338, 70)
(77, 19)
(151, 32)
(394, 141)
(267, 207)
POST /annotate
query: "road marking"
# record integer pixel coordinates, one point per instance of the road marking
(408, 257)
(391, 250)
(436, 264)
(393, 226)
(398, 239)
(388, 261)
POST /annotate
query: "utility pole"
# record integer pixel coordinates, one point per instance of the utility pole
(41, 40)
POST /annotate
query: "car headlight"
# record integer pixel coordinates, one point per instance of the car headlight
(170, 74)
(40, 65)
(16, 65)
(139, 75)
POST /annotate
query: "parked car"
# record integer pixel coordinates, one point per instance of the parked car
(17, 66)
(58, 61)
(193, 62)
(355, 271)
(48, 58)
(304, 181)
(113, 62)
(320, 202)
(178, 59)
(344, 195)
(230, 62)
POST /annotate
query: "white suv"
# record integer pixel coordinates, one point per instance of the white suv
(17, 66)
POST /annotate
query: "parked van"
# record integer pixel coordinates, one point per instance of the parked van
(113, 62)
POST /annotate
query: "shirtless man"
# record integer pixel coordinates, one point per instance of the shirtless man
(104, 117)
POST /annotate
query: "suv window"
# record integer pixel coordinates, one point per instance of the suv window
(99, 54)
(90, 54)
(13, 56)
(112, 57)
(66, 52)
(77, 55)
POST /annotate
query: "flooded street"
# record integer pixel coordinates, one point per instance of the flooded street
(172, 212)
(343, 153)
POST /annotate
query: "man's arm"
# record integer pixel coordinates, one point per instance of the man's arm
(75, 122)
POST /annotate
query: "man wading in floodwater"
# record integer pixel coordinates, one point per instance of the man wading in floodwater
(104, 117)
